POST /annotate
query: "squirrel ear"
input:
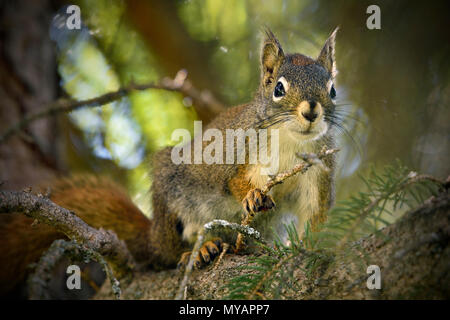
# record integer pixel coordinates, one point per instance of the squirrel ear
(272, 57)
(326, 57)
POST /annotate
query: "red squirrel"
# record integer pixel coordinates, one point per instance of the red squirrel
(295, 96)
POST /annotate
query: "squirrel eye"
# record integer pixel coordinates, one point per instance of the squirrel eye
(333, 92)
(279, 90)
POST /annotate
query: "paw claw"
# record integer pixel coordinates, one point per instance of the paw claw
(184, 259)
(205, 254)
(208, 252)
(256, 201)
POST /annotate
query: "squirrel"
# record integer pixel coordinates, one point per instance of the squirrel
(296, 96)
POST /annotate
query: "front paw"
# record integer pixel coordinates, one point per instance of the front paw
(256, 201)
(207, 253)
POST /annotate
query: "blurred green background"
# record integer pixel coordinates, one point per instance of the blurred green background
(393, 83)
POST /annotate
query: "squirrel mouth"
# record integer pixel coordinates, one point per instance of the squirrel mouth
(304, 132)
(307, 131)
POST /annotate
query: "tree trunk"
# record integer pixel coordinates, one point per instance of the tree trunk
(28, 80)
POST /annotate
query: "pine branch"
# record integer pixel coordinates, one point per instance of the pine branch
(264, 269)
(266, 278)
(411, 179)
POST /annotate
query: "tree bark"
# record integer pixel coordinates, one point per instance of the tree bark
(413, 255)
(28, 80)
(41, 208)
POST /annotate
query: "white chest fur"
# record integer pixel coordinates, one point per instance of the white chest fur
(297, 198)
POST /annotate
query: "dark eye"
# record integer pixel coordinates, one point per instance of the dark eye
(279, 90)
(333, 92)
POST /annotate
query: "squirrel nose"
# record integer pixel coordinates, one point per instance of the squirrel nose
(310, 115)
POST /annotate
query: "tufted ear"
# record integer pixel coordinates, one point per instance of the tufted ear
(272, 57)
(326, 57)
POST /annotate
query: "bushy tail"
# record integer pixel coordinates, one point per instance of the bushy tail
(98, 201)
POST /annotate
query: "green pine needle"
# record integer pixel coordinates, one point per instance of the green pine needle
(268, 276)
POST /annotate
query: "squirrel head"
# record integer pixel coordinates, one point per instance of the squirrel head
(297, 92)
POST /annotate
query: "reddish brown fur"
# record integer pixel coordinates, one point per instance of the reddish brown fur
(301, 60)
(21, 245)
(157, 242)
(100, 203)
(239, 184)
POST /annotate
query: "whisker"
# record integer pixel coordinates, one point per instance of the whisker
(344, 114)
(344, 130)
(274, 117)
(280, 120)
(344, 117)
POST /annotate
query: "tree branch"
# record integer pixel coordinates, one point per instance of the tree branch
(209, 227)
(309, 159)
(44, 210)
(202, 99)
(39, 280)
(412, 254)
